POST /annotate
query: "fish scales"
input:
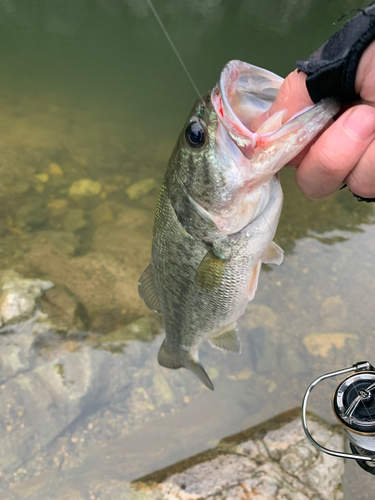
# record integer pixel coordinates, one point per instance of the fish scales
(189, 310)
(218, 211)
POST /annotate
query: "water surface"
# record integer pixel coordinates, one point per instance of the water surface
(93, 89)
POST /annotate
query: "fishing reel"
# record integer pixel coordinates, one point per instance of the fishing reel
(354, 407)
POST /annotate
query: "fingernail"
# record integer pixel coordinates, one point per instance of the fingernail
(360, 122)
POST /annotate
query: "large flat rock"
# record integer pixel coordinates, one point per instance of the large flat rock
(278, 464)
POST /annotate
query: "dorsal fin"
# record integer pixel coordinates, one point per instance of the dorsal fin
(146, 290)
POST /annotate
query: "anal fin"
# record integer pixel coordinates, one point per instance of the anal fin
(227, 339)
(253, 284)
(146, 290)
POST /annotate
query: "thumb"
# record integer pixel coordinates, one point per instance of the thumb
(292, 96)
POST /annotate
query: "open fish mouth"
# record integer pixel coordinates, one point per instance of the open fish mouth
(243, 93)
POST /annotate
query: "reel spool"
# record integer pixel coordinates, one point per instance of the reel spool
(354, 407)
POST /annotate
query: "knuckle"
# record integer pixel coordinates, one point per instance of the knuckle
(358, 187)
(308, 190)
(361, 179)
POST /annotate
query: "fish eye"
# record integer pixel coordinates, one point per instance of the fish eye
(195, 134)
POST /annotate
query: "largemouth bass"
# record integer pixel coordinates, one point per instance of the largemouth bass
(218, 211)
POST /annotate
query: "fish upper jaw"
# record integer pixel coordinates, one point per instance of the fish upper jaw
(241, 136)
(242, 93)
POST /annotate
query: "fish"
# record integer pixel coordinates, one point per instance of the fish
(218, 210)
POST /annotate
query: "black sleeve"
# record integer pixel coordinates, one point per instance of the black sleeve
(332, 68)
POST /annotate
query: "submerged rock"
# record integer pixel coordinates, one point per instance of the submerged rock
(141, 188)
(259, 315)
(55, 169)
(43, 395)
(106, 278)
(64, 311)
(319, 344)
(163, 389)
(57, 207)
(16, 353)
(74, 219)
(65, 241)
(333, 312)
(333, 306)
(31, 215)
(42, 177)
(85, 187)
(22, 186)
(101, 214)
(18, 297)
(144, 329)
(98, 282)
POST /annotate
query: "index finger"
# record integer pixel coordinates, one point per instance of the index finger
(292, 96)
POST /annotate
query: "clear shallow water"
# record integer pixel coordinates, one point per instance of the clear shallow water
(95, 89)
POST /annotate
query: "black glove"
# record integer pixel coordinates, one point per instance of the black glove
(331, 70)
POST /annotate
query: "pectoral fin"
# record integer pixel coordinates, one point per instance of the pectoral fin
(211, 270)
(227, 339)
(181, 358)
(146, 290)
(273, 255)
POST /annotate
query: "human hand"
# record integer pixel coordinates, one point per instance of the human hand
(345, 152)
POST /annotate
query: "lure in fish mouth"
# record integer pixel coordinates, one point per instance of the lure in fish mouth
(218, 211)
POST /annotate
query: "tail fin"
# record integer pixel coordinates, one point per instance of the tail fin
(183, 359)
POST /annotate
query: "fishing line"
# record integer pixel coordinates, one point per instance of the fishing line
(160, 22)
(153, 10)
